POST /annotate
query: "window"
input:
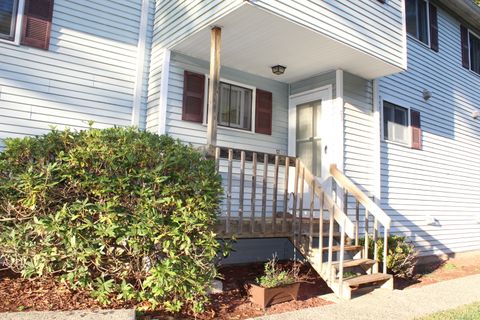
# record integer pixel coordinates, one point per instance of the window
(417, 19)
(8, 17)
(235, 106)
(395, 123)
(474, 53)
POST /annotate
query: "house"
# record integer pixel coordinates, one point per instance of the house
(333, 118)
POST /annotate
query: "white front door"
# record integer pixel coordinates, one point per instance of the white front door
(309, 137)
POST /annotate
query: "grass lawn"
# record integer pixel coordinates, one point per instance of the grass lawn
(467, 312)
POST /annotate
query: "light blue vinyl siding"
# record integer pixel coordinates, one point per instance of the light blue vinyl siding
(441, 182)
(173, 22)
(88, 73)
(366, 25)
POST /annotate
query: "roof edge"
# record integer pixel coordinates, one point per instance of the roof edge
(467, 10)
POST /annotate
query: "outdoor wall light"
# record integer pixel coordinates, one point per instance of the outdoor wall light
(278, 69)
(476, 114)
(426, 95)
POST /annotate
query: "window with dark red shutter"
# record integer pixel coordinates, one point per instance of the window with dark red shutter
(193, 96)
(465, 48)
(433, 27)
(37, 23)
(263, 112)
(416, 129)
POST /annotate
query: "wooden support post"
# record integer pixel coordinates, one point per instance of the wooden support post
(229, 190)
(375, 245)
(214, 83)
(264, 193)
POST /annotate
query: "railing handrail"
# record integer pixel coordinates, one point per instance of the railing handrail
(339, 216)
(352, 189)
(249, 153)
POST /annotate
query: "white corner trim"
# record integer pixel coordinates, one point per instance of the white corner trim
(404, 40)
(377, 136)
(162, 103)
(140, 75)
(338, 157)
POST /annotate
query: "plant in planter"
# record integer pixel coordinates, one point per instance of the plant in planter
(276, 285)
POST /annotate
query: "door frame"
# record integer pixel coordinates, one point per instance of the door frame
(322, 93)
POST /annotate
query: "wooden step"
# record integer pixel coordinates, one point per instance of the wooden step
(355, 263)
(368, 279)
(346, 248)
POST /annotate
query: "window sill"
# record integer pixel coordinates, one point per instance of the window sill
(408, 146)
(11, 42)
(415, 40)
(232, 129)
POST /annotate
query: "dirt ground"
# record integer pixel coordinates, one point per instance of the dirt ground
(17, 294)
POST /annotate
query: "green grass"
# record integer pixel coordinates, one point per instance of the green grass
(467, 312)
(449, 266)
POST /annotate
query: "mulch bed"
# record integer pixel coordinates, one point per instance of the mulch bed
(17, 294)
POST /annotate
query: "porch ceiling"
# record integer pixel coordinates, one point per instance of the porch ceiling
(253, 40)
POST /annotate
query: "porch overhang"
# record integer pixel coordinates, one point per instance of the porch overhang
(253, 40)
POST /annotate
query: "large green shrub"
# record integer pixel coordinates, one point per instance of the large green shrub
(125, 213)
(401, 254)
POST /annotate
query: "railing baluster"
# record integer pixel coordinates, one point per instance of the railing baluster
(320, 231)
(295, 197)
(312, 207)
(375, 245)
(264, 192)
(254, 191)
(229, 190)
(217, 159)
(330, 242)
(385, 249)
(275, 194)
(241, 193)
(366, 235)
(285, 195)
(300, 219)
(342, 254)
(357, 221)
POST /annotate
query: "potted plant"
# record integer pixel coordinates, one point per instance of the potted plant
(275, 285)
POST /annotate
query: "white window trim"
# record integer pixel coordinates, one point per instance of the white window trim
(470, 51)
(235, 83)
(18, 25)
(429, 38)
(401, 104)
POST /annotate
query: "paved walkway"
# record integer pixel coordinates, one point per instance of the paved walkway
(395, 305)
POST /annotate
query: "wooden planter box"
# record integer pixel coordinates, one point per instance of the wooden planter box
(268, 296)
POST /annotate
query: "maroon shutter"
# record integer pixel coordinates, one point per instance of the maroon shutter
(465, 48)
(433, 27)
(37, 23)
(263, 112)
(416, 129)
(193, 96)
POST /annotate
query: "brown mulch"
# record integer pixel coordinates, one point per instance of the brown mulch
(17, 294)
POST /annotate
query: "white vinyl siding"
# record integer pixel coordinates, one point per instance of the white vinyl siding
(174, 21)
(366, 25)
(87, 74)
(439, 183)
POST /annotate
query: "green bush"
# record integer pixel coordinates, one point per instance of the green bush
(125, 213)
(401, 255)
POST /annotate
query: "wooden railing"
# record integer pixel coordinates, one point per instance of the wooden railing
(370, 208)
(261, 182)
